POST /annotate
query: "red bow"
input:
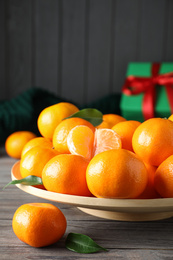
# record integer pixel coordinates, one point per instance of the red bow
(135, 85)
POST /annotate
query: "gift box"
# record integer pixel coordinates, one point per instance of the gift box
(147, 91)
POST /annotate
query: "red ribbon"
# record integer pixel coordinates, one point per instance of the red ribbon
(147, 85)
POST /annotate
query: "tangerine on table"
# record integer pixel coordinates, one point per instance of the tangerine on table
(51, 116)
(109, 120)
(33, 162)
(116, 173)
(38, 141)
(16, 141)
(163, 180)
(153, 140)
(39, 224)
(82, 141)
(125, 130)
(66, 173)
(62, 130)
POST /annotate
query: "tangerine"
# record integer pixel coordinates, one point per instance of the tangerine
(125, 130)
(16, 141)
(109, 120)
(163, 179)
(66, 173)
(33, 161)
(116, 173)
(51, 116)
(39, 224)
(38, 141)
(153, 140)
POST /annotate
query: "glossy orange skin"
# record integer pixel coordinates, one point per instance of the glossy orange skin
(66, 173)
(51, 116)
(16, 141)
(38, 141)
(109, 120)
(126, 130)
(163, 179)
(62, 130)
(116, 174)
(153, 140)
(33, 162)
(150, 191)
(39, 224)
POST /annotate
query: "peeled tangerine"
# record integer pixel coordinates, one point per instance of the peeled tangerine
(82, 141)
(116, 173)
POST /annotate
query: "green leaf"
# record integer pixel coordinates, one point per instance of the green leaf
(29, 180)
(82, 244)
(92, 115)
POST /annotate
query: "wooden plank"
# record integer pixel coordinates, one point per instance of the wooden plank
(73, 50)
(152, 30)
(46, 44)
(57, 251)
(98, 50)
(3, 89)
(125, 39)
(168, 40)
(19, 46)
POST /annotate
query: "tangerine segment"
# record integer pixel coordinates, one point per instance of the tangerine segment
(51, 116)
(125, 130)
(16, 141)
(80, 141)
(39, 224)
(153, 140)
(33, 162)
(106, 139)
(66, 173)
(116, 173)
(62, 130)
(163, 180)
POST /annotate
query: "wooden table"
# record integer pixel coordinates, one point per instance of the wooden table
(124, 240)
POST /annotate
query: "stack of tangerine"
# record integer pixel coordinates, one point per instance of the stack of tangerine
(117, 159)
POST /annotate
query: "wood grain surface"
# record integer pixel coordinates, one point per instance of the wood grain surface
(124, 240)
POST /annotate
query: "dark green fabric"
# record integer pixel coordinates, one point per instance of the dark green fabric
(21, 113)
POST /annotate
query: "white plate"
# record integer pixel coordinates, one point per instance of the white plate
(115, 209)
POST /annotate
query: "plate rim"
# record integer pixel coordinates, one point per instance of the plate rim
(118, 205)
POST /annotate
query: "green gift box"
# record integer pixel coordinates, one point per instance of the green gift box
(131, 106)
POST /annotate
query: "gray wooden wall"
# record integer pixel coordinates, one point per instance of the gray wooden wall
(79, 49)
